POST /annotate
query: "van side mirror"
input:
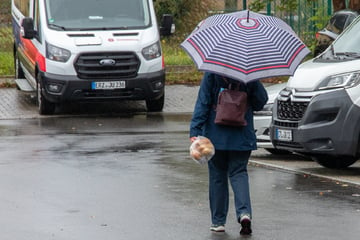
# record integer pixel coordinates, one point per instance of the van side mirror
(27, 28)
(167, 26)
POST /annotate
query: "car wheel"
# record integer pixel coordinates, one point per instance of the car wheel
(156, 105)
(337, 162)
(277, 151)
(19, 73)
(45, 107)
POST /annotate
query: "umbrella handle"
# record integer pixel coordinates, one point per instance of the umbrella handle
(248, 13)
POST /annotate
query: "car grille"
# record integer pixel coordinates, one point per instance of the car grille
(293, 111)
(286, 124)
(293, 145)
(291, 105)
(108, 65)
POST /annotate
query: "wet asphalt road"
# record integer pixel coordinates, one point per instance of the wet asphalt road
(130, 177)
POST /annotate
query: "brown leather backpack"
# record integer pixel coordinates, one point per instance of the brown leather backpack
(231, 107)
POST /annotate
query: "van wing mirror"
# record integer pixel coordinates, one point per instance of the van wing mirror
(27, 28)
(167, 26)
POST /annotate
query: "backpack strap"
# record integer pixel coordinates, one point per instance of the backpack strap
(235, 85)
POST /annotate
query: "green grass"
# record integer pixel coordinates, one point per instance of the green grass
(6, 64)
(174, 54)
(180, 68)
(6, 56)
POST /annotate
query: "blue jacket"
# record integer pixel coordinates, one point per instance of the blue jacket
(225, 137)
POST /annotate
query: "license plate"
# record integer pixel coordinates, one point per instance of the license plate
(283, 135)
(108, 85)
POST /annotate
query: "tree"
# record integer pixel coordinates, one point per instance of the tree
(355, 5)
(338, 5)
(341, 4)
(231, 4)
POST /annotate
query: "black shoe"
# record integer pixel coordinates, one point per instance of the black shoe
(245, 222)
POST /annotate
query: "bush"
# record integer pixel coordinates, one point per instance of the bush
(187, 14)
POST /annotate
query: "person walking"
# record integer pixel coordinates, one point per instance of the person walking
(233, 146)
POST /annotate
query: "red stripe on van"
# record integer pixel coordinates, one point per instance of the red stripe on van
(33, 54)
(163, 62)
(40, 59)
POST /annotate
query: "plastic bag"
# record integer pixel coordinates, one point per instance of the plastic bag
(202, 150)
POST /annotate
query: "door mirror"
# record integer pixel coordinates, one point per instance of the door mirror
(27, 28)
(167, 26)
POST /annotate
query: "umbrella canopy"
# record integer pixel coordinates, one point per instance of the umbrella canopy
(245, 46)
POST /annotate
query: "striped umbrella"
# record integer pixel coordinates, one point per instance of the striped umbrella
(245, 46)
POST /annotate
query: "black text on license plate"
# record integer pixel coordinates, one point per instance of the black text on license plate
(108, 85)
(283, 134)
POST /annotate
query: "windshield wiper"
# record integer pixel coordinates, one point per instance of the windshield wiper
(57, 26)
(348, 54)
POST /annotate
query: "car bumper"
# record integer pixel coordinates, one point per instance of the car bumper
(262, 129)
(143, 87)
(328, 126)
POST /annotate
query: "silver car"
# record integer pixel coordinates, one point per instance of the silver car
(262, 120)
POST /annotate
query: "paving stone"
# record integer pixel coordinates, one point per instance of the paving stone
(15, 104)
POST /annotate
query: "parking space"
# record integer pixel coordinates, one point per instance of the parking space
(15, 104)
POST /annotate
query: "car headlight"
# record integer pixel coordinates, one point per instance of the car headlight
(266, 111)
(151, 52)
(57, 54)
(344, 80)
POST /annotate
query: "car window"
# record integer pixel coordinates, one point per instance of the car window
(97, 15)
(349, 20)
(339, 21)
(349, 40)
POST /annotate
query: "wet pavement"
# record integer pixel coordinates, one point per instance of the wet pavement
(179, 99)
(131, 177)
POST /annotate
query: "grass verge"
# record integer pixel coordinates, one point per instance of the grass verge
(6, 64)
(180, 69)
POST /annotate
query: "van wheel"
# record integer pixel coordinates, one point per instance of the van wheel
(337, 162)
(45, 107)
(19, 73)
(156, 105)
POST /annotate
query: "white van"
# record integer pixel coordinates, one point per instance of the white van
(318, 113)
(89, 50)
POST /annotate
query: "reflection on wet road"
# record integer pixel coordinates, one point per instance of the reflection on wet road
(130, 177)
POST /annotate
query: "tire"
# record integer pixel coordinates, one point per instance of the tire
(44, 106)
(156, 105)
(335, 162)
(277, 151)
(19, 73)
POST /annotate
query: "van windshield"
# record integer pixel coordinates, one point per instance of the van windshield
(349, 40)
(97, 14)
